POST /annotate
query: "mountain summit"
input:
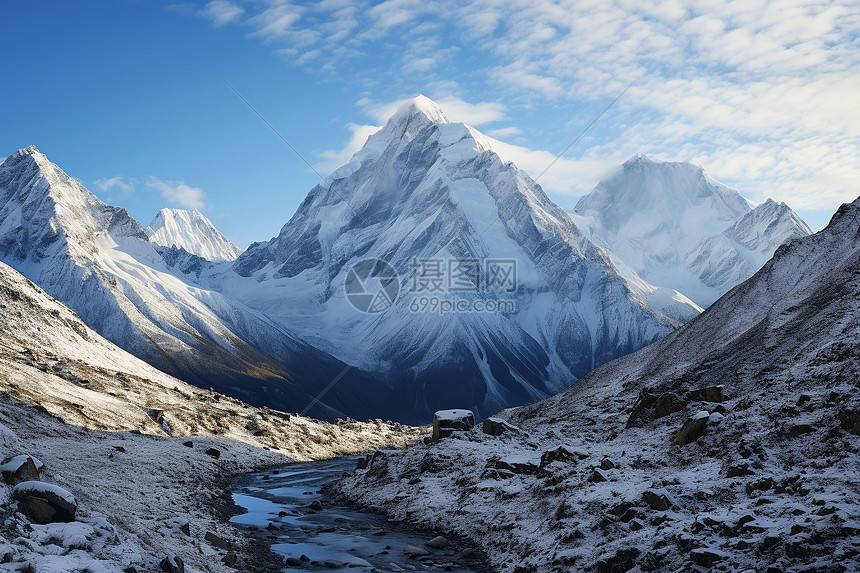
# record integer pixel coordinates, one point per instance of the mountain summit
(192, 231)
(678, 228)
(426, 195)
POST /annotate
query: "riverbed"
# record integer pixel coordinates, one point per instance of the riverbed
(311, 531)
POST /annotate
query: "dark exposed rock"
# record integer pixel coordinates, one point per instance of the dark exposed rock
(497, 427)
(214, 452)
(316, 505)
(172, 564)
(560, 454)
(850, 419)
(517, 465)
(597, 476)
(446, 422)
(438, 543)
(656, 500)
(621, 508)
(624, 560)
(19, 469)
(709, 394)
(693, 429)
(218, 541)
(45, 504)
(706, 557)
(607, 464)
(650, 406)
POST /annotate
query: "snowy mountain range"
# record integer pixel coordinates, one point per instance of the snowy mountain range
(191, 231)
(677, 228)
(535, 303)
(731, 444)
(424, 189)
(99, 261)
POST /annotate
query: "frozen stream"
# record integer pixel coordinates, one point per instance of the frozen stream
(336, 537)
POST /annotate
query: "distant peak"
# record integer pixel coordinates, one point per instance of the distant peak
(638, 158)
(30, 150)
(423, 105)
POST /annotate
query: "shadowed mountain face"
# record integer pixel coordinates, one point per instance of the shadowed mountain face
(423, 190)
(97, 259)
(521, 305)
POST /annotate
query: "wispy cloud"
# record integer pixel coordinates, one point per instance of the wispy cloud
(119, 186)
(760, 93)
(222, 12)
(178, 193)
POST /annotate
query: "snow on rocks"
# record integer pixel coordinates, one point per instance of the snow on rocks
(446, 422)
(44, 502)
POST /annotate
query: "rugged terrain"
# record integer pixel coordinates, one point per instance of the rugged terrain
(142, 452)
(731, 445)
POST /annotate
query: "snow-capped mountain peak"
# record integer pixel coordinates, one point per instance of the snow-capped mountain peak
(192, 231)
(678, 228)
(423, 105)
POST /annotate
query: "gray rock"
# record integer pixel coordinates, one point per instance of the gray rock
(214, 452)
(693, 429)
(597, 476)
(497, 427)
(335, 564)
(709, 394)
(19, 469)
(414, 551)
(446, 422)
(850, 419)
(172, 564)
(316, 505)
(438, 543)
(656, 500)
(43, 503)
(218, 541)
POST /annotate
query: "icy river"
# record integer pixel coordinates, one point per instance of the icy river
(312, 531)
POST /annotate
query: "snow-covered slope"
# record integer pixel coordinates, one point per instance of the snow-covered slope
(679, 229)
(732, 444)
(191, 231)
(425, 189)
(114, 432)
(99, 261)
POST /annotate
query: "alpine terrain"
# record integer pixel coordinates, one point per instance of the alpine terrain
(99, 261)
(730, 445)
(110, 465)
(677, 228)
(433, 200)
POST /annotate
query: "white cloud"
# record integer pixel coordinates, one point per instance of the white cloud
(117, 186)
(222, 12)
(333, 159)
(759, 92)
(178, 193)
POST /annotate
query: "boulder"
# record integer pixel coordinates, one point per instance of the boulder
(218, 541)
(438, 543)
(693, 428)
(850, 419)
(214, 452)
(607, 464)
(650, 406)
(517, 464)
(707, 556)
(657, 500)
(21, 468)
(446, 422)
(497, 427)
(172, 564)
(623, 560)
(45, 503)
(561, 454)
(335, 564)
(709, 394)
(414, 551)
(597, 476)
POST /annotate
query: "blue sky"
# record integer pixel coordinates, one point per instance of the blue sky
(129, 96)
